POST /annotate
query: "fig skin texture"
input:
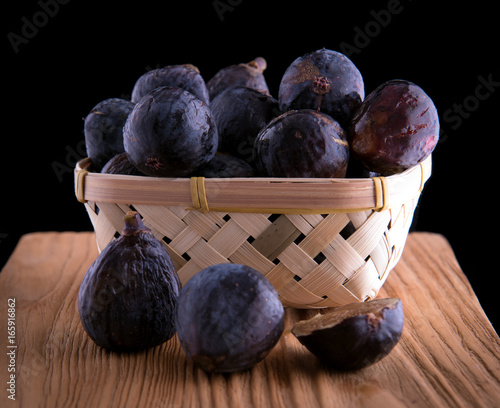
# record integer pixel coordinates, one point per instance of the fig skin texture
(353, 336)
(228, 318)
(103, 130)
(170, 133)
(323, 80)
(120, 164)
(240, 113)
(225, 166)
(395, 128)
(185, 76)
(249, 74)
(302, 143)
(127, 298)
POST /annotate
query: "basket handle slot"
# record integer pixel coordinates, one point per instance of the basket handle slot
(381, 193)
(199, 194)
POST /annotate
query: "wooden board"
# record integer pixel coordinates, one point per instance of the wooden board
(448, 356)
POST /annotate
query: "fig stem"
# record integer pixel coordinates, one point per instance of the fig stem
(321, 85)
(259, 63)
(319, 98)
(133, 224)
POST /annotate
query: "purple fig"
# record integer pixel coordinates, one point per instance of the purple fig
(395, 128)
(128, 296)
(353, 336)
(250, 75)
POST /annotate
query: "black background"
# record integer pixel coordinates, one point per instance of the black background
(88, 51)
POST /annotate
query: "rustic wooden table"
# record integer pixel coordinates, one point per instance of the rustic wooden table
(448, 356)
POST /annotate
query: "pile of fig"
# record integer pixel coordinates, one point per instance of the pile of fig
(229, 317)
(319, 125)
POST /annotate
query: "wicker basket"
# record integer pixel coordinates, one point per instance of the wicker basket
(320, 242)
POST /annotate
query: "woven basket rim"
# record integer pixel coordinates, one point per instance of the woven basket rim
(254, 195)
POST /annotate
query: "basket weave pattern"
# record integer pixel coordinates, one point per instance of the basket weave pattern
(313, 260)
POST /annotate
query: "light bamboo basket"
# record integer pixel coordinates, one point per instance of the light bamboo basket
(320, 242)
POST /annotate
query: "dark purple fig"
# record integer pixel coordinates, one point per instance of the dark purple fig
(240, 113)
(353, 336)
(184, 76)
(170, 133)
(103, 129)
(395, 128)
(250, 75)
(224, 166)
(128, 296)
(228, 318)
(322, 80)
(120, 164)
(302, 143)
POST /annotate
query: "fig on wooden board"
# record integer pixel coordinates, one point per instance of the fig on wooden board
(228, 318)
(353, 336)
(127, 298)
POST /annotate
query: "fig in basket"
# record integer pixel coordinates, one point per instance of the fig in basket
(322, 80)
(240, 113)
(185, 76)
(228, 318)
(225, 166)
(120, 164)
(128, 296)
(103, 129)
(395, 128)
(250, 75)
(302, 143)
(170, 133)
(353, 336)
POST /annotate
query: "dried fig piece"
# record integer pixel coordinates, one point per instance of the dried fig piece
(128, 296)
(353, 336)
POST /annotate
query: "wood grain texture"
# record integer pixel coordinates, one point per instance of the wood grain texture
(448, 356)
